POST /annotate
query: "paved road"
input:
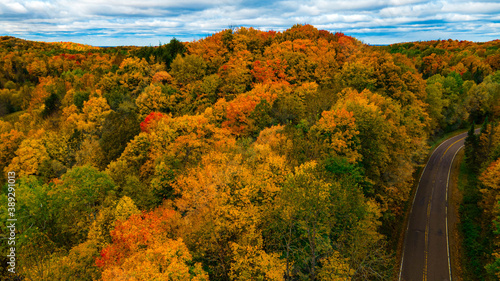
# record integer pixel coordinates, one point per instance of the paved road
(426, 246)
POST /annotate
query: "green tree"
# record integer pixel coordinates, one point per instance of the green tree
(118, 128)
(470, 147)
(92, 188)
(188, 69)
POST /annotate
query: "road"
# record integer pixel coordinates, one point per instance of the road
(426, 254)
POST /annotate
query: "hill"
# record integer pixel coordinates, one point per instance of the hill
(243, 155)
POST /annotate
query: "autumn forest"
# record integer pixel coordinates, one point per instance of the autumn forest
(246, 155)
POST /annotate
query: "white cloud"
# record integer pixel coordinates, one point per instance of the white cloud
(471, 7)
(136, 21)
(405, 2)
(15, 7)
(411, 10)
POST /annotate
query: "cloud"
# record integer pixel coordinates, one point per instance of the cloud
(145, 22)
(472, 8)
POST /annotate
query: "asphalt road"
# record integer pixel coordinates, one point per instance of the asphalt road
(426, 247)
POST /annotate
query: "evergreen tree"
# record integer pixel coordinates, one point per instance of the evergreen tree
(484, 144)
(470, 149)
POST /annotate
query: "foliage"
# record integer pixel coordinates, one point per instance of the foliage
(245, 155)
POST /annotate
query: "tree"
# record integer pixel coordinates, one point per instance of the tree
(490, 180)
(491, 183)
(217, 218)
(235, 74)
(52, 104)
(307, 210)
(390, 144)
(269, 71)
(75, 217)
(484, 143)
(125, 208)
(95, 111)
(359, 76)
(237, 113)
(59, 153)
(156, 98)
(470, 148)
(38, 68)
(223, 200)
(482, 98)
(250, 262)
(436, 104)
(173, 48)
(316, 222)
(167, 146)
(36, 232)
(446, 99)
(79, 262)
(162, 54)
(134, 75)
(206, 92)
(335, 267)
(337, 131)
(118, 128)
(30, 156)
(168, 260)
(212, 50)
(188, 69)
(142, 248)
(9, 143)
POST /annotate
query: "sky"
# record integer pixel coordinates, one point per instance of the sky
(149, 23)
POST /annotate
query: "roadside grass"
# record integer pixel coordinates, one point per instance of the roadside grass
(475, 243)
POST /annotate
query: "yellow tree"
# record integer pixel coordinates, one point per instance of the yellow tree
(37, 68)
(10, 140)
(167, 146)
(235, 74)
(156, 98)
(251, 262)
(94, 113)
(134, 74)
(188, 69)
(142, 249)
(490, 180)
(166, 260)
(211, 49)
(389, 143)
(337, 131)
(335, 268)
(223, 201)
(29, 156)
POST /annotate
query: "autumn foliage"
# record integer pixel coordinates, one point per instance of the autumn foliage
(150, 121)
(245, 155)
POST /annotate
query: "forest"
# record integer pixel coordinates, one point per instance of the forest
(245, 155)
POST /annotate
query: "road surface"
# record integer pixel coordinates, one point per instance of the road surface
(426, 254)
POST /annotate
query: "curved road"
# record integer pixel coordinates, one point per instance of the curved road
(426, 254)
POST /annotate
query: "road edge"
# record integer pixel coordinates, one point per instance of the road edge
(413, 193)
(455, 199)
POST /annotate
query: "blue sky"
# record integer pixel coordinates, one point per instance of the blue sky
(147, 22)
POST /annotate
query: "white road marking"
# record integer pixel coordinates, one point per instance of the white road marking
(447, 235)
(413, 204)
